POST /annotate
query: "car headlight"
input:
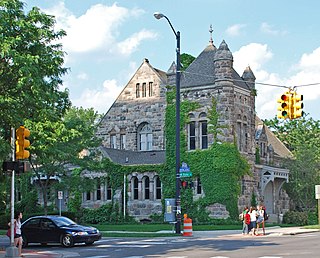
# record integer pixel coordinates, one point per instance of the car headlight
(81, 233)
(98, 231)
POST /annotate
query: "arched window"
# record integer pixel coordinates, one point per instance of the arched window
(150, 89)
(135, 186)
(137, 90)
(88, 196)
(109, 189)
(192, 135)
(145, 137)
(203, 131)
(158, 188)
(146, 186)
(144, 90)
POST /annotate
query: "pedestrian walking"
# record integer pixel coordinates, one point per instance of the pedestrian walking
(245, 220)
(253, 220)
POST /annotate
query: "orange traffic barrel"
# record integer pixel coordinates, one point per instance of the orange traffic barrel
(187, 227)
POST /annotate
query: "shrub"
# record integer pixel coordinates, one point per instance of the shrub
(157, 218)
(107, 213)
(295, 217)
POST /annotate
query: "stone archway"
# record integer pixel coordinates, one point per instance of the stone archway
(268, 197)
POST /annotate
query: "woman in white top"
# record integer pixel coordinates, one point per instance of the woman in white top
(17, 236)
(260, 219)
(253, 220)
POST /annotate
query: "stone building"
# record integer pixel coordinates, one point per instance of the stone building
(133, 131)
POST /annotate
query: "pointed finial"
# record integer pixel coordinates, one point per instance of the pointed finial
(211, 30)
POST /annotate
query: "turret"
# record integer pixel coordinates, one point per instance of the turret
(249, 77)
(223, 62)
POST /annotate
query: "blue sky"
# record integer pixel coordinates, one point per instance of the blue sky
(107, 41)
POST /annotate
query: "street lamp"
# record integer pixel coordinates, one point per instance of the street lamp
(177, 197)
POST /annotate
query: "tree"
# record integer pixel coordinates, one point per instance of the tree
(55, 145)
(301, 136)
(31, 67)
(186, 60)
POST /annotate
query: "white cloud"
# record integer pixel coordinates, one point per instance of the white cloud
(235, 30)
(97, 29)
(253, 54)
(129, 45)
(101, 100)
(268, 29)
(308, 72)
(311, 61)
(83, 76)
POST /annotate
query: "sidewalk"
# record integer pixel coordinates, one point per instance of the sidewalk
(35, 254)
(270, 232)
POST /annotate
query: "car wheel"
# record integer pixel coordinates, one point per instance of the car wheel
(66, 241)
(24, 241)
(89, 242)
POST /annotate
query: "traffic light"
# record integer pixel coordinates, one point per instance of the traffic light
(297, 105)
(284, 108)
(22, 143)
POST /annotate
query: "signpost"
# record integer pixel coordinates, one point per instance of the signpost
(317, 190)
(185, 170)
(60, 197)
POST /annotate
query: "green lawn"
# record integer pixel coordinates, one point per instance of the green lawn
(160, 227)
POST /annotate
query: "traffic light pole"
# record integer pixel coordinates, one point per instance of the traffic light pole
(12, 251)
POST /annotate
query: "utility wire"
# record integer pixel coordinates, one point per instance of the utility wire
(260, 83)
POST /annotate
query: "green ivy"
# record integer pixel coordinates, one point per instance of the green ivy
(219, 167)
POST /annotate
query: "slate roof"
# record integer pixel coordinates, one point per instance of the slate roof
(127, 157)
(279, 148)
(201, 71)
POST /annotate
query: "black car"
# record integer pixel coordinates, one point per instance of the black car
(57, 229)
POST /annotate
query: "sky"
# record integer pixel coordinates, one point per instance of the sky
(107, 41)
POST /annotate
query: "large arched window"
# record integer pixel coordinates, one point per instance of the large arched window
(145, 137)
(198, 132)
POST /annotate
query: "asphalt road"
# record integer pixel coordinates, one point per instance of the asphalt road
(226, 246)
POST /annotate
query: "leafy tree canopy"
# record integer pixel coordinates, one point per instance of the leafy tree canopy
(301, 136)
(31, 67)
(56, 144)
(186, 60)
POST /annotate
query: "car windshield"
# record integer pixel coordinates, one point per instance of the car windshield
(63, 221)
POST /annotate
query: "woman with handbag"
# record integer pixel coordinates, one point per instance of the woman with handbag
(17, 230)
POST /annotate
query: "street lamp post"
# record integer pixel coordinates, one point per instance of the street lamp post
(177, 197)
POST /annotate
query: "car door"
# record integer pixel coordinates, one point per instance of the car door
(49, 231)
(32, 230)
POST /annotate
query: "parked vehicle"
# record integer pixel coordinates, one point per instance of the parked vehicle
(57, 229)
